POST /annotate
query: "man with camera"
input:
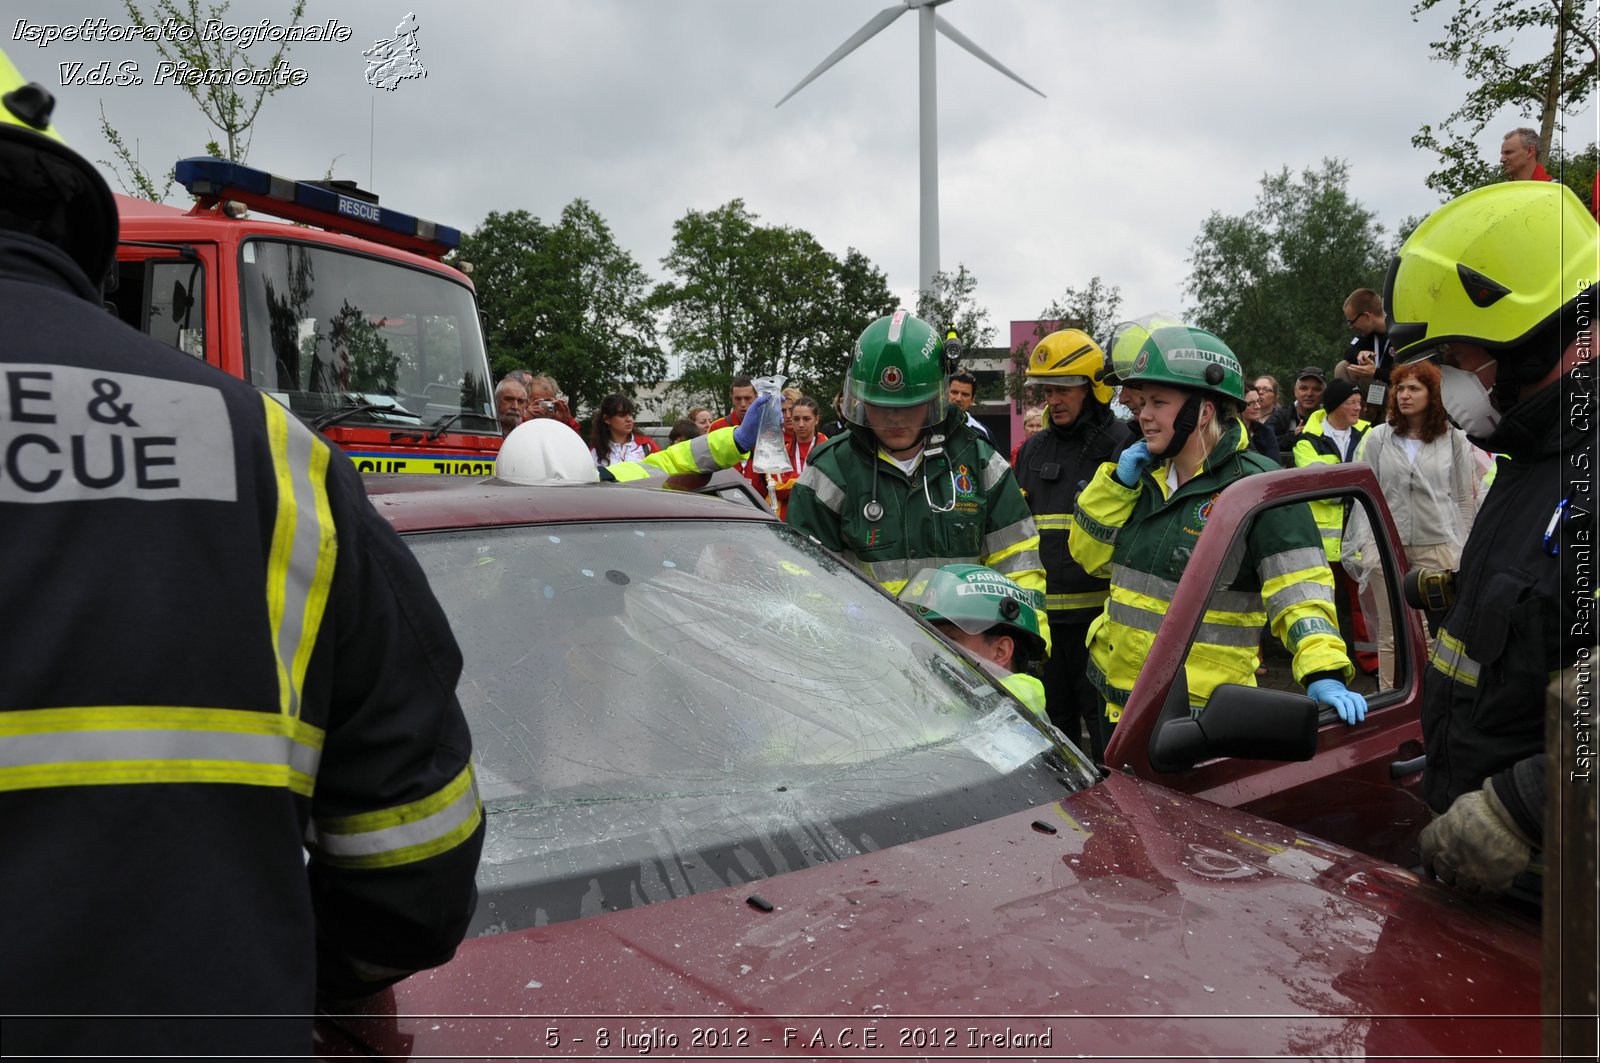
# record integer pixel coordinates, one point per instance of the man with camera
(544, 401)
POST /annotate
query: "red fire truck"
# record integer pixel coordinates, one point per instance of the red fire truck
(348, 317)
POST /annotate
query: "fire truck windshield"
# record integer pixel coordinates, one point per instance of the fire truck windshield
(361, 340)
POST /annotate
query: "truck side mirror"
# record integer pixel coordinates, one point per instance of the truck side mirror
(1253, 723)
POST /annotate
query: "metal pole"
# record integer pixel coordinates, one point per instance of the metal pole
(929, 134)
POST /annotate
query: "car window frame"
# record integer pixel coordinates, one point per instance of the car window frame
(1385, 750)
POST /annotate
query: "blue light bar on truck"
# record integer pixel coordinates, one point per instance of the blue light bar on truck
(314, 203)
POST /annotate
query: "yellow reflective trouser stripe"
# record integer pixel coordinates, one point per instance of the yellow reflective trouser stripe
(1077, 600)
(105, 745)
(300, 562)
(405, 833)
(1450, 657)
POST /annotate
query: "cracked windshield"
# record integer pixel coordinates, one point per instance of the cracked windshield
(663, 709)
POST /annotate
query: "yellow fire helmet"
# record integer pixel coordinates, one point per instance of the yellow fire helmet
(27, 105)
(1069, 357)
(51, 192)
(1493, 267)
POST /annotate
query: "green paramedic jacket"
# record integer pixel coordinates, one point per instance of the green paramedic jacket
(1142, 538)
(963, 506)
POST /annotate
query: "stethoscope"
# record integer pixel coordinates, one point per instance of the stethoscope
(873, 510)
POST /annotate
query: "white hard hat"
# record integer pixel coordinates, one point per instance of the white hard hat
(545, 451)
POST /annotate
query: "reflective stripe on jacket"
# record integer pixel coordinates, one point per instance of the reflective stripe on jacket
(962, 506)
(1314, 447)
(1051, 468)
(1523, 591)
(1142, 538)
(233, 755)
(704, 453)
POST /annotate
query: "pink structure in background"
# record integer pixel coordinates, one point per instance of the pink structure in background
(1025, 334)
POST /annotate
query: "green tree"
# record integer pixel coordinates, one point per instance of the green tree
(503, 255)
(862, 296)
(566, 300)
(756, 299)
(1272, 282)
(950, 304)
(177, 30)
(1575, 169)
(1500, 47)
(1094, 308)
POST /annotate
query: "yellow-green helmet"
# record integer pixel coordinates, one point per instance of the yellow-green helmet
(1128, 336)
(1492, 267)
(1069, 357)
(50, 191)
(1193, 359)
(897, 362)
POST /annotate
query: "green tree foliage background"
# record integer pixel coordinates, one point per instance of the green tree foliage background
(1536, 57)
(230, 109)
(566, 300)
(1272, 282)
(1095, 308)
(758, 299)
(951, 304)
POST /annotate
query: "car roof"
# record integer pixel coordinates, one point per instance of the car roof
(413, 503)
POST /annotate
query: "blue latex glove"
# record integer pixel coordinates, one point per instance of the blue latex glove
(744, 434)
(1351, 707)
(1134, 461)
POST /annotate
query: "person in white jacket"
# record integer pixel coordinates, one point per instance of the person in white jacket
(1429, 477)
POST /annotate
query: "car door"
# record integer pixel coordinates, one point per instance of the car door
(1362, 785)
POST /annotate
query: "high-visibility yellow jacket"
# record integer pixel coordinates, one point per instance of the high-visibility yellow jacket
(1028, 690)
(1143, 536)
(1315, 447)
(706, 453)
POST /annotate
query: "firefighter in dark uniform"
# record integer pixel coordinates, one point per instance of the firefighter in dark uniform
(1497, 285)
(1080, 435)
(236, 778)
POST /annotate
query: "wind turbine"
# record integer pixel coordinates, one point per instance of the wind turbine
(928, 21)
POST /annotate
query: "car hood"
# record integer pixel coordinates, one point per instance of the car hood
(1124, 917)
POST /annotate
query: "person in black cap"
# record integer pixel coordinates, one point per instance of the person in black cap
(1308, 387)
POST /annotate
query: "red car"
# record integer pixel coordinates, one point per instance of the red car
(740, 803)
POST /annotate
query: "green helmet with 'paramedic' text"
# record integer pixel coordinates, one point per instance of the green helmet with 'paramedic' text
(51, 192)
(1180, 356)
(976, 599)
(897, 362)
(1500, 267)
(1067, 358)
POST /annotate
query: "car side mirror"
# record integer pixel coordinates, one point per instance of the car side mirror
(1253, 723)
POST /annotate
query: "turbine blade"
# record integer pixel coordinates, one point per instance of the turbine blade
(962, 39)
(860, 37)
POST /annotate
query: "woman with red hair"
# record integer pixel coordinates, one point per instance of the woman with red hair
(1429, 478)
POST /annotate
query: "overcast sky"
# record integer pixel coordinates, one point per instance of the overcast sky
(1158, 112)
